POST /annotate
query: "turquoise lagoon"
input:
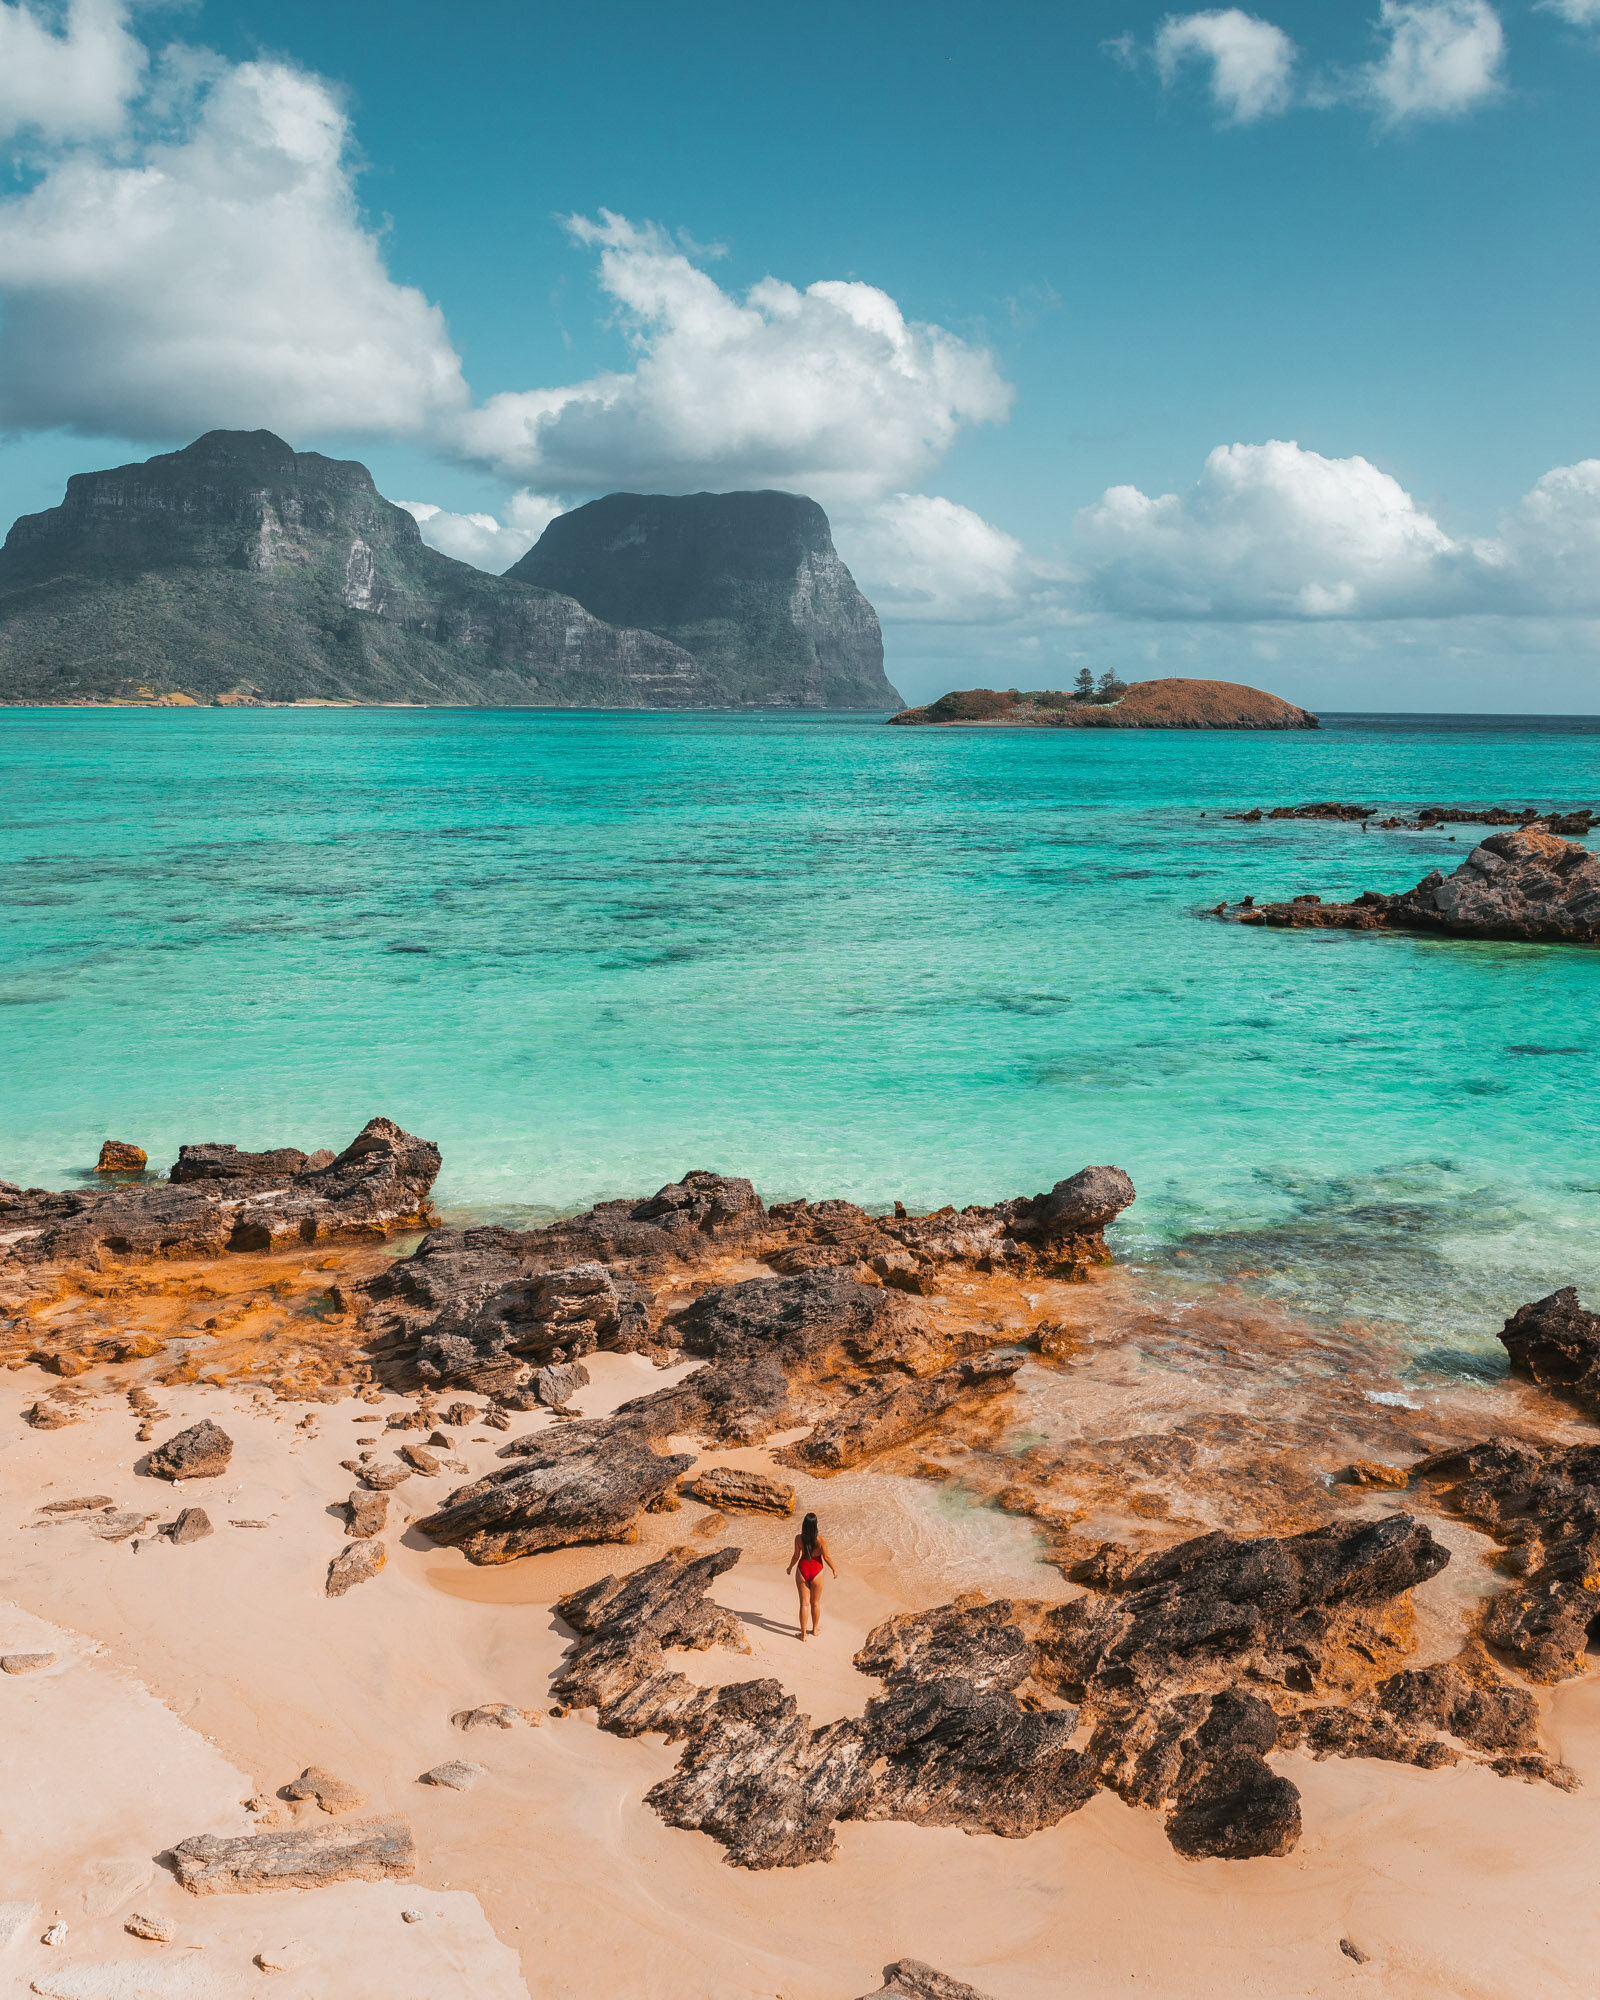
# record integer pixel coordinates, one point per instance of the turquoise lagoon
(587, 952)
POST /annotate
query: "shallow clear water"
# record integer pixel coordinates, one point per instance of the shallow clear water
(588, 952)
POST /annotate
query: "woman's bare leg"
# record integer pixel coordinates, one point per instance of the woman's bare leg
(815, 1587)
(800, 1586)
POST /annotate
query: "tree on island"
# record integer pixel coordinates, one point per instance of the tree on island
(1083, 686)
(1109, 690)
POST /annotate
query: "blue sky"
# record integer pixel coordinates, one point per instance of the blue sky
(1087, 273)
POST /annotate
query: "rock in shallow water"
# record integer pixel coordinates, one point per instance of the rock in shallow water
(1522, 885)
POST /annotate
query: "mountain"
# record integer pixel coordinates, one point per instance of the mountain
(239, 569)
(749, 583)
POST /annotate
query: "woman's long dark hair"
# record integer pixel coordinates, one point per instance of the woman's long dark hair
(808, 1538)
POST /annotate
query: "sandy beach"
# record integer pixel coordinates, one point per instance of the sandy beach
(192, 1680)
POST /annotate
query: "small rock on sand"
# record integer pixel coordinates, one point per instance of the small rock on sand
(355, 1563)
(412, 1916)
(457, 1775)
(1373, 1472)
(295, 1858)
(88, 1505)
(50, 1416)
(1353, 1951)
(334, 1795)
(420, 1459)
(156, 1929)
(494, 1715)
(557, 1384)
(910, 1979)
(200, 1452)
(369, 1514)
(56, 1934)
(192, 1525)
(729, 1486)
(25, 1663)
(377, 1478)
(458, 1415)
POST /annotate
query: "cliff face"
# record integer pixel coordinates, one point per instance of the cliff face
(239, 568)
(749, 583)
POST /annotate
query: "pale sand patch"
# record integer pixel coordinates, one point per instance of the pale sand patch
(1457, 1883)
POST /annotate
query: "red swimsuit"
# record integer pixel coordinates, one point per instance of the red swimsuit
(810, 1568)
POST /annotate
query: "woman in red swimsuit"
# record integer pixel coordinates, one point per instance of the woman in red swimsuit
(810, 1553)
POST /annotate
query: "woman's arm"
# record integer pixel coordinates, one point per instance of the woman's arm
(822, 1550)
(795, 1557)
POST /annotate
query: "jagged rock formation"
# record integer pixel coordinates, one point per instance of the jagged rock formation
(1543, 1504)
(238, 569)
(1160, 704)
(1523, 885)
(749, 583)
(219, 1199)
(1555, 1343)
(581, 1482)
(910, 1979)
(200, 1452)
(484, 1307)
(878, 1419)
(1191, 1666)
(1578, 820)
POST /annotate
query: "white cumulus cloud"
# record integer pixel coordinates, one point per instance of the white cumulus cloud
(925, 559)
(1251, 61)
(67, 77)
(486, 540)
(829, 389)
(1580, 13)
(1267, 531)
(1442, 58)
(221, 277)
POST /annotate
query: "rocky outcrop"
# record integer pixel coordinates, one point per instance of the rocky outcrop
(486, 1307)
(220, 1200)
(241, 570)
(579, 1482)
(1576, 821)
(750, 584)
(200, 1452)
(373, 1850)
(118, 1157)
(1555, 1343)
(1543, 1504)
(1523, 885)
(877, 1419)
(1159, 704)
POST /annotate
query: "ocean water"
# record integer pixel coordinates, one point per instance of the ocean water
(588, 952)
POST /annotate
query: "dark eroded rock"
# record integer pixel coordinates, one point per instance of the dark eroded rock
(1521, 884)
(373, 1850)
(368, 1514)
(556, 1385)
(1555, 1343)
(219, 1200)
(578, 1482)
(200, 1452)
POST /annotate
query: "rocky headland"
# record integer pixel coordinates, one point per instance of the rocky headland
(1527, 885)
(1262, 1562)
(749, 583)
(239, 571)
(1158, 704)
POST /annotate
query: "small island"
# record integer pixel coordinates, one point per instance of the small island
(1111, 704)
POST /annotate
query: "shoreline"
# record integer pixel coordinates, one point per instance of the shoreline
(553, 1875)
